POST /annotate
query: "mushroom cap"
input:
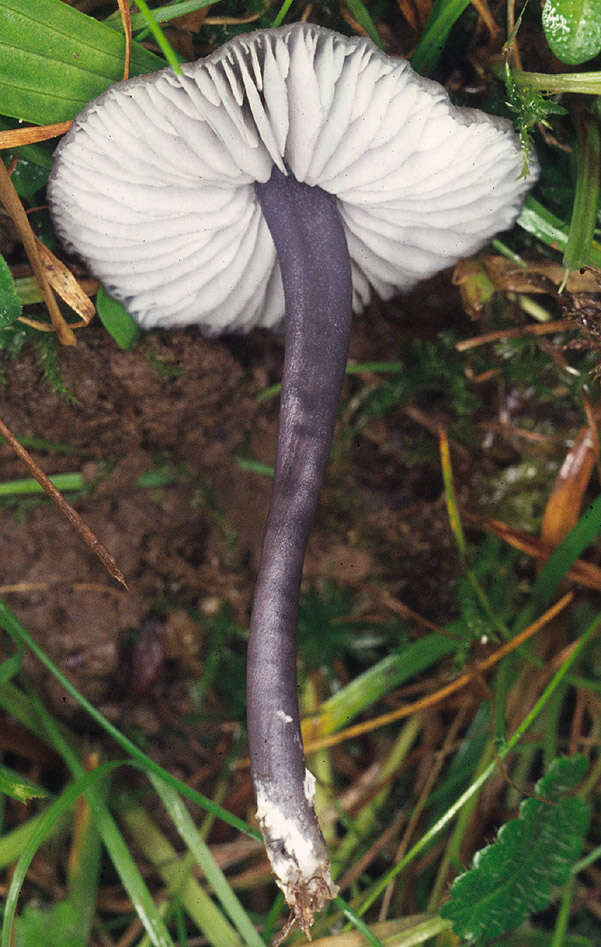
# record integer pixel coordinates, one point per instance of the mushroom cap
(154, 183)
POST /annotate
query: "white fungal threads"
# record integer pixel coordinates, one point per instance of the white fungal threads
(283, 716)
(293, 857)
(309, 787)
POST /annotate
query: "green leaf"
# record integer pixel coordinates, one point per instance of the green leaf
(40, 154)
(10, 304)
(183, 822)
(358, 9)
(545, 226)
(443, 17)
(116, 320)
(54, 927)
(573, 29)
(162, 15)
(28, 178)
(514, 876)
(16, 786)
(586, 195)
(54, 59)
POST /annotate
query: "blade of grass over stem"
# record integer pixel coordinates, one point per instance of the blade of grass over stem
(503, 751)
(14, 628)
(353, 368)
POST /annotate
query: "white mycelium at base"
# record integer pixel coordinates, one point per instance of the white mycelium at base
(297, 866)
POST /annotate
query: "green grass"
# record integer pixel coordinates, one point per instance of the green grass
(465, 745)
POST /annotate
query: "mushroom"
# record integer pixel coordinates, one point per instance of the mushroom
(281, 180)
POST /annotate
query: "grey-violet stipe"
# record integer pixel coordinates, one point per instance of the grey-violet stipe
(306, 226)
(281, 180)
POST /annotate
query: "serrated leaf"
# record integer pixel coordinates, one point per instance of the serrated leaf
(514, 876)
(54, 59)
(54, 927)
(573, 29)
(116, 320)
(15, 786)
(10, 304)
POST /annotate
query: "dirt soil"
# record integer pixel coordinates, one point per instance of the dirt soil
(186, 548)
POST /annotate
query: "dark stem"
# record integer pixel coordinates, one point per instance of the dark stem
(309, 237)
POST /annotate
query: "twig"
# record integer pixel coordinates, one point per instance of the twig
(126, 19)
(16, 137)
(559, 325)
(14, 208)
(66, 509)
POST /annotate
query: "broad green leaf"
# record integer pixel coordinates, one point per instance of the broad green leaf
(27, 177)
(10, 304)
(514, 876)
(116, 320)
(573, 29)
(54, 59)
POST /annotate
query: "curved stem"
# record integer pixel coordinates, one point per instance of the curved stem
(314, 261)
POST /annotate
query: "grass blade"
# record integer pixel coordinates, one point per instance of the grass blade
(16, 630)
(443, 17)
(184, 824)
(42, 829)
